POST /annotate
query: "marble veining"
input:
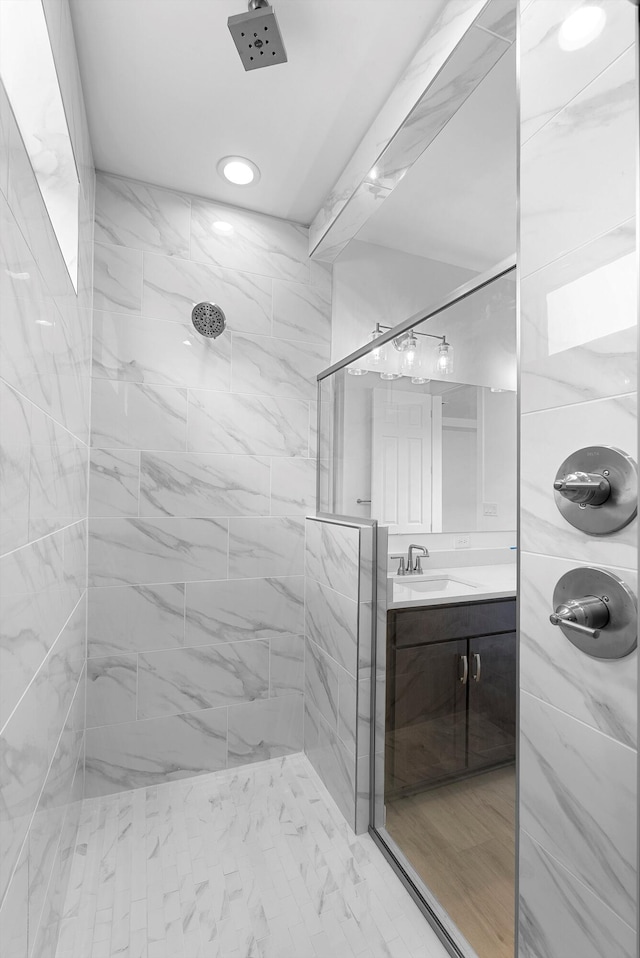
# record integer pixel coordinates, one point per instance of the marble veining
(141, 217)
(172, 286)
(238, 609)
(114, 478)
(293, 487)
(332, 622)
(140, 551)
(247, 425)
(286, 666)
(332, 556)
(255, 862)
(301, 312)
(578, 800)
(264, 730)
(257, 243)
(186, 680)
(265, 546)
(111, 689)
(141, 350)
(332, 761)
(203, 484)
(117, 278)
(131, 415)
(276, 367)
(560, 916)
(135, 618)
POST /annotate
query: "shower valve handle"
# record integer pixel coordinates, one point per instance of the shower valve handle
(584, 487)
(588, 615)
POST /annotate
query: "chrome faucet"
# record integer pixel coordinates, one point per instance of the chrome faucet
(417, 567)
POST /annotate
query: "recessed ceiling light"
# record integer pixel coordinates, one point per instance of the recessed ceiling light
(221, 226)
(238, 170)
(581, 27)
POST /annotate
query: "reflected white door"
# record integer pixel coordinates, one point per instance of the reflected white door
(401, 487)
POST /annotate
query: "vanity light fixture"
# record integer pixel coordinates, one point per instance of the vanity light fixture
(377, 356)
(238, 170)
(389, 376)
(407, 343)
(357, 371)
(419, 380)
(581, 27)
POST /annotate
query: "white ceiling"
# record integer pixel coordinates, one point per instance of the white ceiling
(457, 203)
(167, 95)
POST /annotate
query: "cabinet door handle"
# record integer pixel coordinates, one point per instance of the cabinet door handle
(478, 669)
(464, 678)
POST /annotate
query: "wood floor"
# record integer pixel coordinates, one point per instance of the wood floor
(460, 838)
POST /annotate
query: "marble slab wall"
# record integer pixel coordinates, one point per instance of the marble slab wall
(337, 662)
(202, 471)
(578, 302)
(45, 340)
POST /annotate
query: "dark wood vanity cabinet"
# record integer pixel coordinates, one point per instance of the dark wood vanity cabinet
(451, 692)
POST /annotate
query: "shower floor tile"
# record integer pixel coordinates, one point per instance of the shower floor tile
(255, 862)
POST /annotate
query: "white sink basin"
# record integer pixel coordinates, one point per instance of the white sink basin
(444, 583)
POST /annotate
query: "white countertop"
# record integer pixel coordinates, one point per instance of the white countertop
(461, 584)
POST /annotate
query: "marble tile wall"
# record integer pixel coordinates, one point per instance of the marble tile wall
(578, 295)
(337, 662)
(202, 471)
(45, 342)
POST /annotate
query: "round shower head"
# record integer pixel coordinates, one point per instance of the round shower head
(208, 319)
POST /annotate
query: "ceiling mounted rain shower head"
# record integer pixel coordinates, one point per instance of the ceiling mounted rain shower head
(208, 319)
(257, 36)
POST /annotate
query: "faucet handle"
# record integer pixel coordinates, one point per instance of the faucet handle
(401, 567)
(418, 566)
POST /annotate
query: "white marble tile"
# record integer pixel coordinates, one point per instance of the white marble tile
(132, 214)
(172, 287)
(321, 682)
(210, 676)
(111, 689)
(265, 730)
(114, 478)
(203, 484)
(142, 350)
(499, 16)
(332, 556)
(58, 477)
(578, 800)
(14, 911)
(312, 884)
(560, 916)
(276, 367)
(257, 243)
(137, 754)
(135, 618)
(331, 761)
(547, 439)
(265, 546)
(568, 353)
(5, 113)
(248, 425)
(559, 166)
(15, 450)
(130, 415)
(332, 622)
(301, 312)
(238, 609)
(286, 665)
(347, 710)
(141, 551)
(117, 279)
(600, 692)
(546, 83)
(293, 487)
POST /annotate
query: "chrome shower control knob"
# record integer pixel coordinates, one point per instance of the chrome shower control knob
(596, 489)
(603, 622)
(587, 615)
(584, 487)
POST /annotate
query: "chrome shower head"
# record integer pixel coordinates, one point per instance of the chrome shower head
(208, 319)
(257, 36)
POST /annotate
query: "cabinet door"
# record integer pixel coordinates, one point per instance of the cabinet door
(492, 700)
(426, 716)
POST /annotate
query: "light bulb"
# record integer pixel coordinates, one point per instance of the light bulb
(444, 364)
(410, 355)
(581, 28)
(377, 356)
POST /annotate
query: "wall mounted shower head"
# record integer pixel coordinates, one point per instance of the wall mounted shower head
(208, 319)
(257, 36)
